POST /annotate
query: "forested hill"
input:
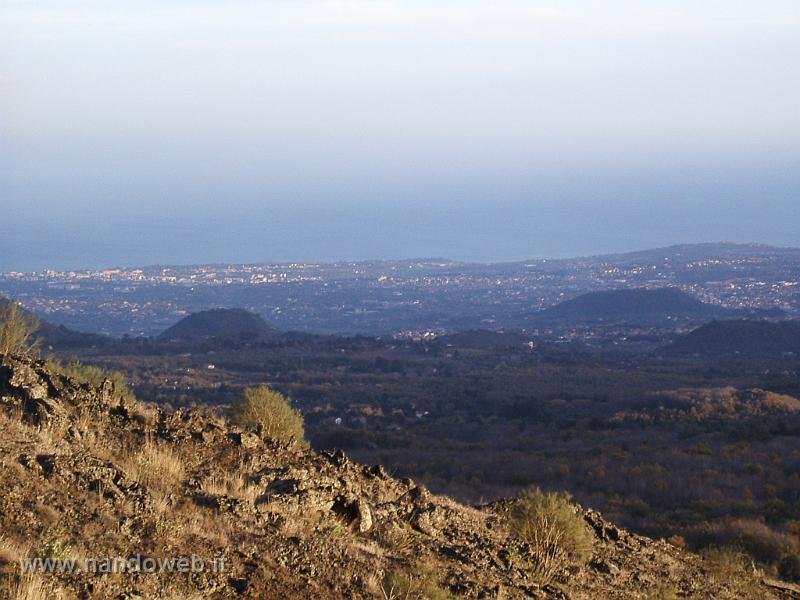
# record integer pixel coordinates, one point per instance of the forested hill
(740, 337)
(219, 323)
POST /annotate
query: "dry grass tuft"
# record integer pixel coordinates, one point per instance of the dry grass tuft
(156, 466)
(29, 587)
(49, 436)
(204, 525)
(11, 552)
(145, 413)
(47, 514)
(11, 419)
(413, 583)
(398, 540)
(231, 485)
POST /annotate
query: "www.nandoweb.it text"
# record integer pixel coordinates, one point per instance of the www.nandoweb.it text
(131, 564)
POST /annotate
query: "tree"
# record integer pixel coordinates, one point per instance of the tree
(16, 329)
(270, 410)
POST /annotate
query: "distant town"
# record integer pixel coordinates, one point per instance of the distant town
(408, 297)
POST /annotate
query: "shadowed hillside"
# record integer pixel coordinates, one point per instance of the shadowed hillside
(753, 338)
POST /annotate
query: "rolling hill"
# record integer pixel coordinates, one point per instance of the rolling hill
(740, 337)
(640, 305)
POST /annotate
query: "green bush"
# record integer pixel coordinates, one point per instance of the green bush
(266, 408)
(16, 329)
(553, 529)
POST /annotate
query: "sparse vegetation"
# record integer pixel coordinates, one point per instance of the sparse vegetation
(93, 375)
(732, 567)
(695, 451)
(10, 553)
(16, 329)
(399, 540)
(414, 583)
(156, 465)
(271, 411)
(16, 586)
(52, 546)
(662, 591)
(28, 587)
(553, 530)
(233, 485)
(273, 515)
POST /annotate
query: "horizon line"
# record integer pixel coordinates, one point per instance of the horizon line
(428, 259)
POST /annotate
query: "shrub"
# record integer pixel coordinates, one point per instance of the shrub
(789, 568)
(756, 538)
(554, 530)
(731, 566)
(16, 329)
(270, 410)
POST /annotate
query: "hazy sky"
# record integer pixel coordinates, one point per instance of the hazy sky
(191, 131)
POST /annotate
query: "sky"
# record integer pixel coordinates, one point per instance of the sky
(176, 131)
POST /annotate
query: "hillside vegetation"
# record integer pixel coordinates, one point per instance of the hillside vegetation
(89, 473)
(698, 451)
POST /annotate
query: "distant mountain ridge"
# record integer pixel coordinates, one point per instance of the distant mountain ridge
(707, 250)
(219, 323)
(637, 305)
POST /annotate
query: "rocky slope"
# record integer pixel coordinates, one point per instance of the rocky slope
(86, 476)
